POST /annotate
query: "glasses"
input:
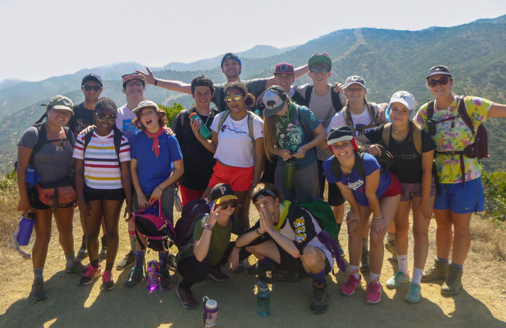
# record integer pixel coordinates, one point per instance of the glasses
(322, 71)
(95, 88)
(235, 98)
(110, 118)
(232, 203)
(442, 81)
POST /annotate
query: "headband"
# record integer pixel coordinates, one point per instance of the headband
(263, 193)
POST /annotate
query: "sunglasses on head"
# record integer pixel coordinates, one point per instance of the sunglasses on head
(102, 117)
(95, 88)
(442, 81)
(232, 203)
(235, 98)
(321, 70)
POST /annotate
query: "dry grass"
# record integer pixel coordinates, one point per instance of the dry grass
(9, 214)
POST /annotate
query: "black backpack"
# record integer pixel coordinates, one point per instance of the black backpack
(385, 160)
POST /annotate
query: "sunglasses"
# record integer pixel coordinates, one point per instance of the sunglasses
(442, 81)
(232, 203)
(322, 71)
(235, 98)
(102, 117)
(95, 88)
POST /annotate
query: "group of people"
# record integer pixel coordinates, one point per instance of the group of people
(328, 132)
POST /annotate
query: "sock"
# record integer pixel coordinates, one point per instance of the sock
(365, 243)
(457, 266)
(403, 263)
(37, 273)
(417, 276)
(139, 259)
(444, 261)
(163, 259)
(133, 240)
(319, 277)
(338, 228)
(355, 270)
(94, 263)
(375, 278)
(391, 237)
(70, 259)
(268, 260)
(108, 266)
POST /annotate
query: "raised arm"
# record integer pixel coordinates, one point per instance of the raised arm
(497, 111)
(177, 86)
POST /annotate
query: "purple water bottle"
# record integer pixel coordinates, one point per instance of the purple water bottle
(25, 229)
(210, 313)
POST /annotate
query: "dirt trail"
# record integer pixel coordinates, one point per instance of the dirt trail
(482, 303)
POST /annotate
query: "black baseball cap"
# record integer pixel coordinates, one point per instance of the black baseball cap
(231, 56)
(222, 192)
(94, 77)
(340, 133)
(439, 69)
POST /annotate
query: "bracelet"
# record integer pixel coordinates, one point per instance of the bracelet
(82, 198)
(156, 82)
(258, 232)
(159, 187)
(377, 217)
(208, 227)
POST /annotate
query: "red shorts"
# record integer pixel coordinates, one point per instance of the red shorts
(188, 195)
(239, 178)
(395, 187)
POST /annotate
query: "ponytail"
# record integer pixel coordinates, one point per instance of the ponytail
(41, 118)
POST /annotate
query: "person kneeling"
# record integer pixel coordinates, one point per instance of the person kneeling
(288, 238)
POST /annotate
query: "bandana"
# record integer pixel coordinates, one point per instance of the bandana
(263, 193)
(155, 136)
(353, 143)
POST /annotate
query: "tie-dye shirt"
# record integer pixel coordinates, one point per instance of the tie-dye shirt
(455, 135)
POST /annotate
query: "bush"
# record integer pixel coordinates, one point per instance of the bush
(171, 112)
(494, 187)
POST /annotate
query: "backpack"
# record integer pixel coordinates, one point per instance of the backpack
(307, 132)
(373, 112)
(385, 160)
(185, 226)
(251, 117)
(117, 139)
(417, 136)
(336, 101)
(298, 99)
(157, 229)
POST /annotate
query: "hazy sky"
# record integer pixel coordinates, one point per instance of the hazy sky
(40, 39)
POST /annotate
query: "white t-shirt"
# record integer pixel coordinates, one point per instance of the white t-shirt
(363, 119)
(235, 147)
(124, 122)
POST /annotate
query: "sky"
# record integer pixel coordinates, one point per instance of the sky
(40, 39)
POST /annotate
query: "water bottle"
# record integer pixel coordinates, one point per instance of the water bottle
(203, 131)
(153, 272)
(210, 313)
(263, 300)
(289, 174)
(25, 229)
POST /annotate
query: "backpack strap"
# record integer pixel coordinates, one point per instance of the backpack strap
(87, 138)
(373, 111)
(336, 167)
(298, 99)
(307, 132)
(41, 141)
(462, 110)
(417, 137)
(67, 134)
(430, 109)
(359, 165)
(222, 119)
(117, 140)
(385, 135)
(336, 100)
(309, 91)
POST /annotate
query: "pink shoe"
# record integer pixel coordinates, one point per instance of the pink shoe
(373, 293)
(351, 284)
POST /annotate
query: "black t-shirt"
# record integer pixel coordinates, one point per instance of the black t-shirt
(81, 119)
(408, 163)
(255, 87)
(198, 161)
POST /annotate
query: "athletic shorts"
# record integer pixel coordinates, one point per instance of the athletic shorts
(410, 190)
(395, 187)
(335, 198)
(239, 178)
(292, 264)
(461, 200)
(91, 194)
(33, 196)
(187, 195)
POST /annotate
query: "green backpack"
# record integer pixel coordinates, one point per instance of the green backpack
(323, 213)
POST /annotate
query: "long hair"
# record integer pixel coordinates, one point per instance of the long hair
(270, 140)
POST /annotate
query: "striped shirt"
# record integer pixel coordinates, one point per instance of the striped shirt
(101, 166)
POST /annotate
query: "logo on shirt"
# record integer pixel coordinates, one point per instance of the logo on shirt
(225, 127)
(355, 185)
(300, 230)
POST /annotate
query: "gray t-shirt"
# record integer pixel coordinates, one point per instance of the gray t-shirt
(51, 163)
(255, 87)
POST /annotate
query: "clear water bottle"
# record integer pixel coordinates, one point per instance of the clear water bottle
(263, 300)
(210, 313)
(25, 229)
(153, 273)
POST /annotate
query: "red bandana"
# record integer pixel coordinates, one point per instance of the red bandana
(155, 136)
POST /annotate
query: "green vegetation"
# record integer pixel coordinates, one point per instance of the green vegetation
(494, 187)
(171, 112)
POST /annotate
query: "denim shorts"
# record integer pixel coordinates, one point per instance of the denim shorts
(461, 200)
(410, 190)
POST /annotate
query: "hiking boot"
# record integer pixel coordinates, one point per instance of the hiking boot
(91, 273)
(398, 279)
(76, 267)
(276, 275)
(107, 281)
(83, 252)
(319, 301)
(453, 283)
(165, 281)
(241, 267)
(171, 262)
(126, 262)
(216, 275)
(38, 292)
(103, 251)
(136, 275)
(373, 293)
(390, 246)
(413, 296)
(259, 267)
(439, 271)
(364, 264)
(187, 299)
(351, 284)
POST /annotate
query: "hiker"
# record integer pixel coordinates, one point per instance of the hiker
(197, 151)
(285, 236)
(367, 190)
(103, 152)
(291, 132)
(156, 165)
(211, 247)
(84, 116)
(413, 150)
(458, 171)
(47, 147)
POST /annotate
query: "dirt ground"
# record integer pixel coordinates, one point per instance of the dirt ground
(482, 303)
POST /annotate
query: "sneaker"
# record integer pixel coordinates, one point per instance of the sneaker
(439, 271)
(107, 281)
(136, 275)
(216, 275)
(165, 281)
(279, 275)
(171, 262)
(319, 301)
(126, 262)
(390, 246)
(241, 267)
(413, 296)
(153, 272)
(453, 283)
(76, 267)
(103, 251)
(83, 252)
(187, 299)
(91, 273)
(364, 264)
(38, 292)
(259, 267)
(398, 279)
(373, 293)
(351, 285)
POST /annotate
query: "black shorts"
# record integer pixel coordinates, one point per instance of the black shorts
(33, 196)
(91, 194)
(335, 198)
(292, 264)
